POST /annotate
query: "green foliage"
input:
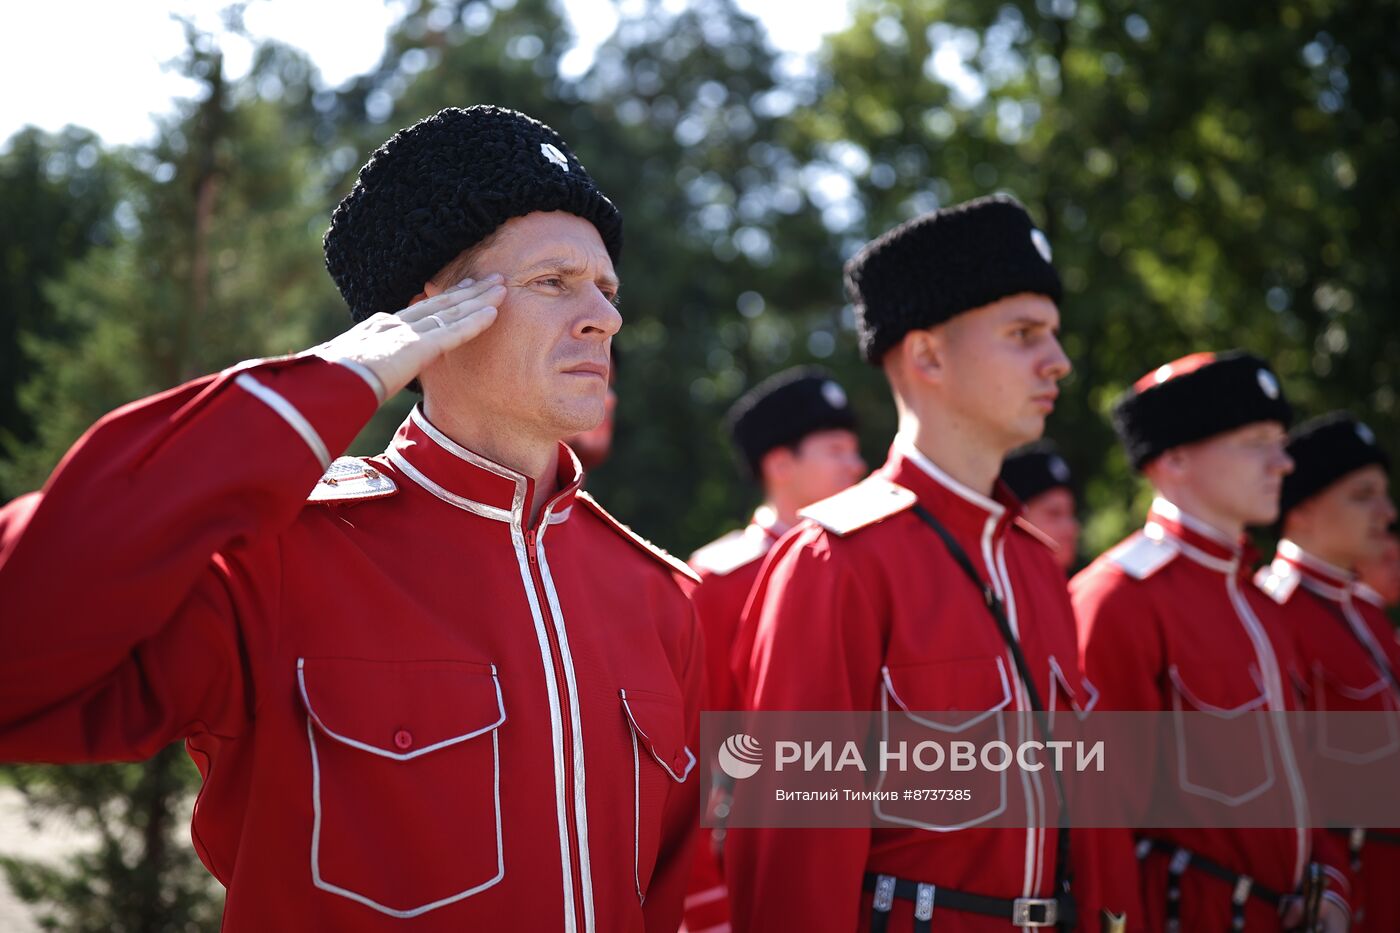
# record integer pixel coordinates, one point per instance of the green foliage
(59, 193)
(1209, 178)
(142, 876)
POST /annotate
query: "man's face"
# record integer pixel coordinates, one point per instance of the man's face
(1381, 572)
(1236, 475)
(593, 447)
(543, 366)
(1000, 367)
(822, 464)
(1053, 513)
(1348, 520)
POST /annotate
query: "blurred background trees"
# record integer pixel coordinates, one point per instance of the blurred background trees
(1208, 176)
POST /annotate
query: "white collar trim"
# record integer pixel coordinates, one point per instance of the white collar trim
(905, 446)
(1169, 510)
(1291, 550)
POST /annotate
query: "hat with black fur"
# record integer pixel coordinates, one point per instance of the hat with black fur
(1197, 397)
(443, 185)
(1034, 469)
(1324, 450)
(933, 267)
(783, 409)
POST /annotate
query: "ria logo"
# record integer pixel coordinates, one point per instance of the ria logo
(740, 756)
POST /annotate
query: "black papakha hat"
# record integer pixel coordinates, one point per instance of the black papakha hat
(933, 267)
(1324, 450)
(1197, 397)
(1034, 469)
(443, 185)
(783, 409)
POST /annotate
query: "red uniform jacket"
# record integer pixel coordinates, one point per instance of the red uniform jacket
(863, 606)
(1348, 656)
(728, 568)
(1167, 621)
(411, 710)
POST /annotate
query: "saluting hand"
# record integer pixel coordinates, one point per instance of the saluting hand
(397, 347)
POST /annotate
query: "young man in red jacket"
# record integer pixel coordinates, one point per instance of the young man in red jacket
(436, 689)
(796, 435)
(1336, 509)
(865, 606)
(1169, 621)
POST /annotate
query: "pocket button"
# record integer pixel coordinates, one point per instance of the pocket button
(403, 740)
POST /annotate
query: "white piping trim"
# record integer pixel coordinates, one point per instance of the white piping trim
(1200, 790)
(1032, 782)
(556, 726)
(385, 753)
(364, 372)
(580, 771)
(1158, 532)
(905, 446)
(637, 819)
(1368, 594)
(1312, 584)
(1172, 512)
(289, 414)
(1081, 710)
(462, 502)
(324, 885)
(457, 450)
(1324, 744)
(883, 814)
(947, 727)
(1363, 634)
(651, 746)
(1273, 688)
(1291, 551)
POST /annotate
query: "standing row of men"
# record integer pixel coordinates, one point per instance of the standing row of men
(446, 690)
(864, 605)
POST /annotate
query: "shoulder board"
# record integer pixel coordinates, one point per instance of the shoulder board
(1029, 528)
(679, 566)
(1278, 581)
(732, 551)
(1140, 556)
(867, 502)
(350, 479)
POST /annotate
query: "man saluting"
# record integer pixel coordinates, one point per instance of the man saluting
(423, 690)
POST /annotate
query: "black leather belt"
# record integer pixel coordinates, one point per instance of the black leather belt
(1244, 887)
(1031, 912)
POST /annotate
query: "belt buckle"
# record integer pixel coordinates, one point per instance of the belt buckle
(1021, 909)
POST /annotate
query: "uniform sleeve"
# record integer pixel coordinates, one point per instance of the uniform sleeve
(719, 602)
(1121, 655)
(681, 820)
(817, 645)
(140, 584)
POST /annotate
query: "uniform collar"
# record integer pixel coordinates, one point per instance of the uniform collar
(1316, 574)
(959, 506)
(1198, 540)
(765, 517)
(474, 483)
